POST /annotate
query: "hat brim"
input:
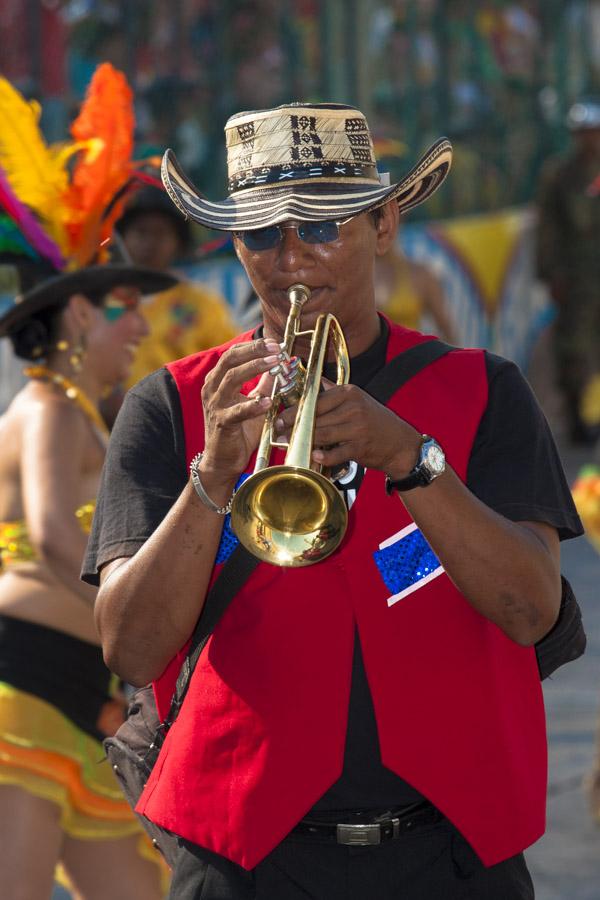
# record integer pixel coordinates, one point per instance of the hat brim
(315, 201)
(92, 278)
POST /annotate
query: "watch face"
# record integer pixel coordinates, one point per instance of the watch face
(435, 459)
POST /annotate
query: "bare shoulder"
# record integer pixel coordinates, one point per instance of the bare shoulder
(24, 407)
(54, 430)
(39, 405)
(37, 425)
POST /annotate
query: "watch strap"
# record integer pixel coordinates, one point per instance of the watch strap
(417, 477)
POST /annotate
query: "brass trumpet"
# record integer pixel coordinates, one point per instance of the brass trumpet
(292, 514)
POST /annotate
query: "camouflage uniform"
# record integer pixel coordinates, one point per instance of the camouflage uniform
(568, 259)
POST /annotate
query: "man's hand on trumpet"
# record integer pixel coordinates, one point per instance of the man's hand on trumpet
(232, 420)
(350, 424)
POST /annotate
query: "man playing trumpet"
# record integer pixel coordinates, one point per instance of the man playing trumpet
(371, 725)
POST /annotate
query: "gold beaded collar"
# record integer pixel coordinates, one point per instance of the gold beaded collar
(73, 392)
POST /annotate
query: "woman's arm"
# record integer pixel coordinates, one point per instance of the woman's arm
(54, 440)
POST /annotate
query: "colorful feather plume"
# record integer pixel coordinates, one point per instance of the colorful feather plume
(32, 232)
(106, 119)
(12, 240)
(37, 173)
(65, 208)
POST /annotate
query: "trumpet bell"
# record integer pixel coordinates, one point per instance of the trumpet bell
(289, 516)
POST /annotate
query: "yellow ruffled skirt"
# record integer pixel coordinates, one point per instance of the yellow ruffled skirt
(44, 753)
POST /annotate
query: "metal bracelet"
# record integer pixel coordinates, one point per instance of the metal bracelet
(221, 510)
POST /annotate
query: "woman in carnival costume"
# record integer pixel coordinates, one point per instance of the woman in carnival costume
(75, 320)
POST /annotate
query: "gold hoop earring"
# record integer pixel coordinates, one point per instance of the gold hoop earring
(77, 356)
(77, 352)
(63, 346)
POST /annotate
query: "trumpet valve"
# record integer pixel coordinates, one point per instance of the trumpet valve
(287, 373)
(291, 382)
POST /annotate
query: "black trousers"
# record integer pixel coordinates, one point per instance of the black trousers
(434, 863)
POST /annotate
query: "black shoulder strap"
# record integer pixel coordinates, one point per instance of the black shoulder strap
(403, 367)
(241, 563)
(230, 580)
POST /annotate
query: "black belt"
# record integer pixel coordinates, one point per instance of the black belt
(386, 827)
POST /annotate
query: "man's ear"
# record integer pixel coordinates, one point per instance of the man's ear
(387, 227)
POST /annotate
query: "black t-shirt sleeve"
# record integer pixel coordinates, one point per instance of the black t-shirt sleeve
(514, 467)
(143, 475)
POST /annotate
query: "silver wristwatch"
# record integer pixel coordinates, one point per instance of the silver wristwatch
(431, 464)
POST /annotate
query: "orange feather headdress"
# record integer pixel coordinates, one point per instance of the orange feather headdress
(61, 200)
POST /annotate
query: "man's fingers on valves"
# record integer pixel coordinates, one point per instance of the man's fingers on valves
(239, 354)
(238, 365)
(249, 408)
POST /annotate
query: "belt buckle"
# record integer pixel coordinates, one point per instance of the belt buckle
(359, 835)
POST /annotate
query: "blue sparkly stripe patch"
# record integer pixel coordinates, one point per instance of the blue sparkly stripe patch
(406, 563)
(228, 539)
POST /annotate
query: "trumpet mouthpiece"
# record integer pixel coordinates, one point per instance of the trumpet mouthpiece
(298, 294)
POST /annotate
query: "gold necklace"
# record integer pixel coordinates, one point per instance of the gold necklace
(74, 393)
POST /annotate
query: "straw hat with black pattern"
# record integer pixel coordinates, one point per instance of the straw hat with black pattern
(303, 161)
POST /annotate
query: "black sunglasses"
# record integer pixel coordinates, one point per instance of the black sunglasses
(310, 232)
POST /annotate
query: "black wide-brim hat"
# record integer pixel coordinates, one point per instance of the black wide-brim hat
(302, 161)
(94, 279)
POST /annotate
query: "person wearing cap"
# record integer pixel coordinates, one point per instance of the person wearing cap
(371, 725)
(568, 237)
(186, 318)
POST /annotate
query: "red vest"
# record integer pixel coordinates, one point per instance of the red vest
(459, 708)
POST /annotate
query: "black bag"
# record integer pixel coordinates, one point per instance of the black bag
(132, 753)
(134, 749)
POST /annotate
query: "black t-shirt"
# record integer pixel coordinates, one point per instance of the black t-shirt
(514, 468)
